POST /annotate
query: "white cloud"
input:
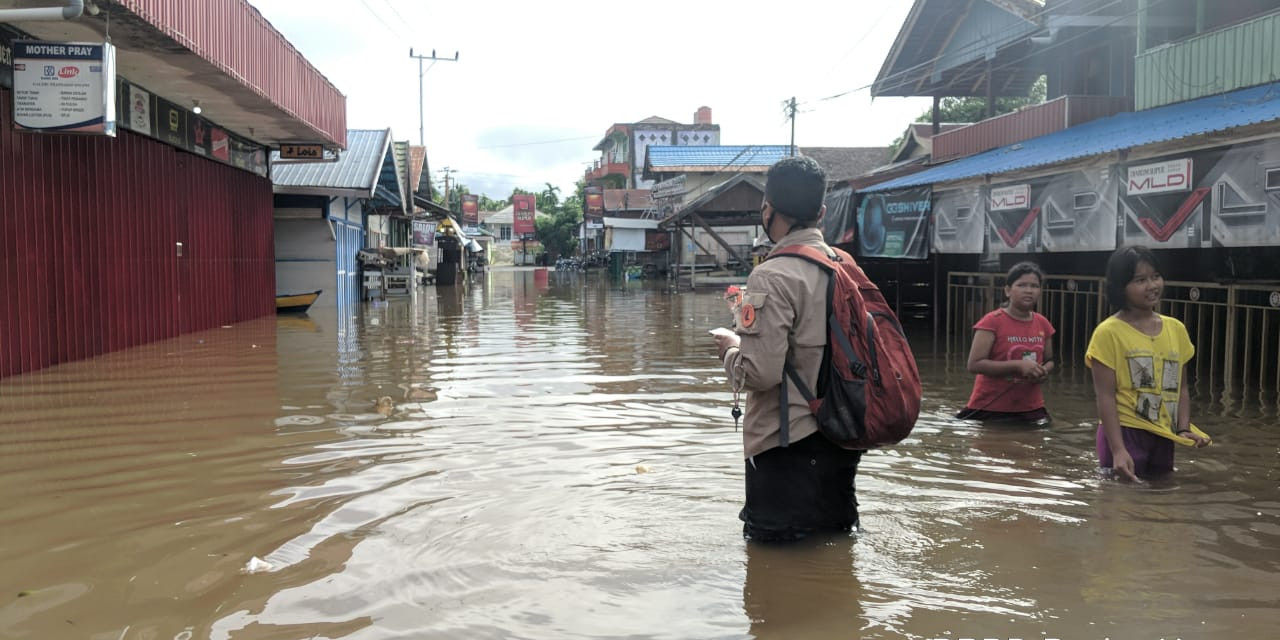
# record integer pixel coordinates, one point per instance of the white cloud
(542, 72)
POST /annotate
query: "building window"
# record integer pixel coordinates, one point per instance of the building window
(504, 232)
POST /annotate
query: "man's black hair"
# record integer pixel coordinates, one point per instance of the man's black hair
(795, 188)
(1120, 269)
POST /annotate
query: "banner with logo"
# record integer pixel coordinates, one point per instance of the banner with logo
(64, 87)
(1228, 196)
(657, 240)
(523, 210)
(1011, 219)
(895, 224)
(470, 209)
(1077, 210)
(959, 220)
(424, 233)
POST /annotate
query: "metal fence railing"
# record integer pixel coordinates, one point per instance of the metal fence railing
(1235, 327)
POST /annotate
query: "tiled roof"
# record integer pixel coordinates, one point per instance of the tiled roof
(842, 163)
(356, 168)
(1127, 130)
(716, 157)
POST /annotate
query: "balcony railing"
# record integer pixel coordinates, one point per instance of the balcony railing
(600, 170)
(1241, 55)
(1024, 124)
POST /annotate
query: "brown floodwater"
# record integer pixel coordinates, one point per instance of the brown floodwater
(558, 461)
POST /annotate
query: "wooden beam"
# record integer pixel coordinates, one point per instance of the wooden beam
(706, 227)
(695, 241)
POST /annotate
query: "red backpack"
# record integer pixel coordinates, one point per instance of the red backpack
(868, 385)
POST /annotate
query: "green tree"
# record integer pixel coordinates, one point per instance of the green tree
(558, 231)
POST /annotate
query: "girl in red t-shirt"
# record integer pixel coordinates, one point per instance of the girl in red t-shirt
(1012, 354)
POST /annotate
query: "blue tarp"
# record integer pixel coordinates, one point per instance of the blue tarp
(1122, 131)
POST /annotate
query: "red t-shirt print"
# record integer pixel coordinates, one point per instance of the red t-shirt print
(1014, 340)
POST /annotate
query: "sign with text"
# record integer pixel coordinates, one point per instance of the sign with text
(895, 224)
(1159, 177)
(523, 210)
(470, 208)
(302, 151)
(64, 87)
(424, 233)
(1016, 196)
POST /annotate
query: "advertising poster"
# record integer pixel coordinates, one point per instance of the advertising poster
(1011, 219)
(657, 240)
(594, 201)
(169, 124)
(1161, 204)
(523, 210)
(838, 224)
(64, 87)
(895, 224)
(1077, 210)
(959, 220)
(470, 209)
(423, 233)
(138, 116)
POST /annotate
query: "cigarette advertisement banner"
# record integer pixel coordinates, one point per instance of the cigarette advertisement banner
(1226, 197)
(523, 206)
(594, 201)
(959, 220)
(895, 224)
(1078, 210)
(1011, 219)
(470, 208)
(64, 87)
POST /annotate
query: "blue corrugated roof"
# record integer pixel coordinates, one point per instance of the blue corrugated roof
(356, 168)
(725, 156)
(1123, 131)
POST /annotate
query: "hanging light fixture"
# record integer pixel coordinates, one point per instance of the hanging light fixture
(195, 108)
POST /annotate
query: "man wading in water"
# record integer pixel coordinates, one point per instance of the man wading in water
(797, 490)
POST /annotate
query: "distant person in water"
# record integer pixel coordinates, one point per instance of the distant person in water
(1012, 354)
(1138, 358)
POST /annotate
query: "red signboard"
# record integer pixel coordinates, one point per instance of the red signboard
(522, 216)
(470, 209)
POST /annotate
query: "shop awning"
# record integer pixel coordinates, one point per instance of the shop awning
(1256, 105)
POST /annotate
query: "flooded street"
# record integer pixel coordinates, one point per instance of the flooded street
(558, 461)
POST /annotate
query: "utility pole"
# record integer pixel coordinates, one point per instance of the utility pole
(446, 171)
(433, 59)
(791, 113)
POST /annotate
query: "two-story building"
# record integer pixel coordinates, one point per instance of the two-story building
(1160, 129)
(622, 149)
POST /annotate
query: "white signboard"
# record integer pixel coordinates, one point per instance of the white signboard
(1161, 177)
(1017, 196)
(139, 118)
(671, 187)
(64, 87)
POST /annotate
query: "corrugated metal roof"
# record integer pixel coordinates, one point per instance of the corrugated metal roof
(719, 156)
(1123, 131)
(356, 168)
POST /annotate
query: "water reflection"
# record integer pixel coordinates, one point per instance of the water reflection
(555, 459)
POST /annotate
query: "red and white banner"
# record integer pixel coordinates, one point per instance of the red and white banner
(1017, 196)
(523, 206)
(1160, 177)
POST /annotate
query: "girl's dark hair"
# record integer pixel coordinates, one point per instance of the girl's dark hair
(1022, 269)
(1120, 269)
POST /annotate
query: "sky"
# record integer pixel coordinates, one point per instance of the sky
(537, 84)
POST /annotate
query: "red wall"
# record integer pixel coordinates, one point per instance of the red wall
(88, 233)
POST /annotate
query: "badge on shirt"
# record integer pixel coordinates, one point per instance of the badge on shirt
(748, 315)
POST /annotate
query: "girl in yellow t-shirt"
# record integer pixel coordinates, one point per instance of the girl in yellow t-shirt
(1138, 359)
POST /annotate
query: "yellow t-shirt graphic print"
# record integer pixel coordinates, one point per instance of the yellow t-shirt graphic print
(1148, 372)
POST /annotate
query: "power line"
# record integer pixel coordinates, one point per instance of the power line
(538, 142)
(393, 10)
(377, 17)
